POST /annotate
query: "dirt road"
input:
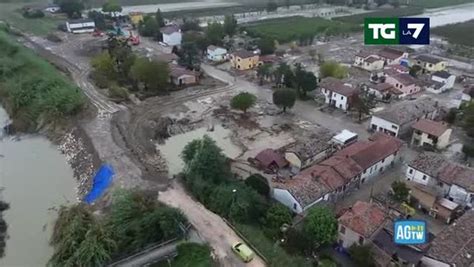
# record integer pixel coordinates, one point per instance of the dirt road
(209, 225)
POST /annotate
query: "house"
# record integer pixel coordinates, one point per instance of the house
(168, 58)
(373, 156)
(468, 93)
(383, 91)
(244, 60)
(80, 25)
(312, 149)
(52, 8)
(429, 200)
(269, 159)
(441, 81)
(430, 64)
(449, 179)
(171, 35)
(403, 82)
(393, 56)
(181, 77)
(454, 246)
(135, 17)
(338, 94)
(430, 133)
(216, 54)
(367, 61)
(397, 119)
(359, 224)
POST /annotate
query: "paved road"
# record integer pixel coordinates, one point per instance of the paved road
(209, 225)
(304, 110)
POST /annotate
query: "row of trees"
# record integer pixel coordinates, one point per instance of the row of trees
(134, 221)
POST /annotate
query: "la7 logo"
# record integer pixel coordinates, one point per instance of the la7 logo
(418, 27)
(414, 30)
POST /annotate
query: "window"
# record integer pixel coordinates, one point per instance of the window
(342, 98)
(410, 171)
(294, 206)
(238, 59)
(364, 171)
(342, 230)
(424, 177)
(394, 127)
(440, 184)
(383, 160)
(361, 240)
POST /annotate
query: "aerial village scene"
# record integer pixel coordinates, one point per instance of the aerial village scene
(205, 133)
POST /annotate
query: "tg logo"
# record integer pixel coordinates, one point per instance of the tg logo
(387, 31)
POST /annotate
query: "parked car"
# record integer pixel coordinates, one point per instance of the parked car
(243, 251)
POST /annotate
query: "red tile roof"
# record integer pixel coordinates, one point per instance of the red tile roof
(363, 218)
(338, 86)
(368, 153)
(269, 156)
(325, 175)
(382, 87)
(346, 167)
(390, 53)
(244, 54)
(405, 79)
(431, 127)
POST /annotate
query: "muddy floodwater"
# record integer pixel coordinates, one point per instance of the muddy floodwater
(449, 15)
(173, 146)
(36, 178)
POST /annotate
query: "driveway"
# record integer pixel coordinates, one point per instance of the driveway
(210, 226)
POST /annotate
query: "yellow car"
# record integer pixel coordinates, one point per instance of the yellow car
(243, 251)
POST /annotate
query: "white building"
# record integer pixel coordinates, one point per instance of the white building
(338, 94)
(397, 119)
(171, 35)
(216, 54)
(80, 26)
(431, 133)
(376, 61)
(451, 180)
(441, 81)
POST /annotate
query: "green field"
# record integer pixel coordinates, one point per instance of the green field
(99, 3)
(11, 13)
(399, 12)
(291, 28)
(459, 33)
(438, 3)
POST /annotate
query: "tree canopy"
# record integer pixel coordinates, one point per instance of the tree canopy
(468, 119)
(305, 81)
(284, 98)
(215, 33)
(271, 6)
(362, 255)
(243, 101)
(149, 27)
(266, 45)
(193, 254)
(111, 6)
(154, 75)
(72, 8)
(160, 21)
(230, 25)
(400, 191)
(333, 69)
(321, 226)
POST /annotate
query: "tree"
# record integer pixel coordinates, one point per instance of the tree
(284, 75)
(72, 8)
(400, 191)
(284, 98)
(111, 7)
(266, 45)
(230, 25)
(263, 71)
(468, 119)
(243, 101)
(104, 65)
(414, 70)
(271, 6)
(203, 158)
(451, 116)
(190, 25)
(154, 75)
(215, 33)
(276, 216)
(362, 255)
(333, 69)
(362, 103)
(259, 184)
(149, 27)
(468, 150)
(189, 56)
(305, 81)
(98, 18)
(321, 226)
(159, 18)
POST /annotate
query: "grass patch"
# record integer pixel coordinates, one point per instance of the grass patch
(99, 3)
(275, 254)
(32, 91)
(438, 3)
(292, 28)
(398, 12)
(459, 33)
(11, 13)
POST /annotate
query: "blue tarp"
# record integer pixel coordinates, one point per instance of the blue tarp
(102, 180)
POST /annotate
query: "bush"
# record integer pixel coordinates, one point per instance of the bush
(33, 14)
(259, 184)
(451, 116)
(118, 93)
(362, 255)
(400, 191)
(468, 150)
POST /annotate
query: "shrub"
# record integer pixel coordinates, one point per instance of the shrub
(259, 183)
(118, 93)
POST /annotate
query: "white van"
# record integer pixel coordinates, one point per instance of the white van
(344, 138)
